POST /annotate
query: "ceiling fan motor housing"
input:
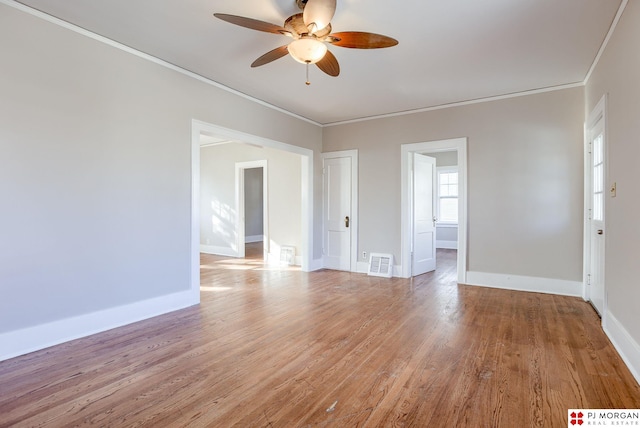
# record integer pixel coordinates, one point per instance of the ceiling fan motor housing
(301, 3)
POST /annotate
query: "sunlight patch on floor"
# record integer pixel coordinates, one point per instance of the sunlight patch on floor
(203, 288)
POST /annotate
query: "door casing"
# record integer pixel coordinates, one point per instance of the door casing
(459, 145)
(595, 121)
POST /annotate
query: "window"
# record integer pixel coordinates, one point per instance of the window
(598, 178)
(447, 199)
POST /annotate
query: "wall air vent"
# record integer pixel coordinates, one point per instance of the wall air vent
(381, 265)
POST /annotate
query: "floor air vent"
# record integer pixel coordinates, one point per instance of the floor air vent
(381, 265)
(287, 255)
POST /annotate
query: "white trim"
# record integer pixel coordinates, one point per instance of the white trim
(194, 283)
(525, 283)
(598, 115)
(218, 251)
(23, 341)
(460, 146)
(586, 232)
(362, 267)
(130, 50)
(240, 214)
(306, 183)
(147, 57)
(460, 104)
(315, 264)
(605, 42)
(447, 245)
(353, 223)
(254, 238)
(628, 348)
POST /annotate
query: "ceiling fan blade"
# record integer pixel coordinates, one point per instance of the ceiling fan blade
(317, 14)
(271, 56)
(360, 40)
(251, 23)
(329, 64)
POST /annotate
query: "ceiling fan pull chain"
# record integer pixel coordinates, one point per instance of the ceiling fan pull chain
(307, 82)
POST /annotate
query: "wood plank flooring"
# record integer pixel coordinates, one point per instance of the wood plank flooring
(283, 348)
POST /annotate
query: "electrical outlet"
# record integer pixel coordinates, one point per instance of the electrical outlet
(364, 255)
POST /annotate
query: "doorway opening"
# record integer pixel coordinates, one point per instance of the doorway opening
(226, 213)
(410, 227)
(252, 200)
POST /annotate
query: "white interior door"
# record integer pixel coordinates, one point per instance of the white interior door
(424, 221)
(337, 213)
(596, 228)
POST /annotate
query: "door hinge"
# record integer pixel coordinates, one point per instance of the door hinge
(588, 279)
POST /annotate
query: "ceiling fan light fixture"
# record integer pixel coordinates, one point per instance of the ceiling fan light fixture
(307, 50)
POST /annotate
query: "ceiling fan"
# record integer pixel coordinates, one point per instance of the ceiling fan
(311, 32)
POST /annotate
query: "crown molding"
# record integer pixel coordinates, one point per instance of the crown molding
(57, 21)
(612, 29)
(461, 103)
(16, 5)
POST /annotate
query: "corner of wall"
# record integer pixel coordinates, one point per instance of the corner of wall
(626, 346)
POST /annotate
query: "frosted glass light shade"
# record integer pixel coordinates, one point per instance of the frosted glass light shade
(307, 50)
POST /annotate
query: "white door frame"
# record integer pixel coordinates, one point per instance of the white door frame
(306, 180)
(596, 118)
(406, 200)
(353, 220)
(240, 214)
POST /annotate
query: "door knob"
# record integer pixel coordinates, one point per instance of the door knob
(346, 221)
(600, 232)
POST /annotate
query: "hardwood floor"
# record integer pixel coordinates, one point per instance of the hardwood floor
(284, 348)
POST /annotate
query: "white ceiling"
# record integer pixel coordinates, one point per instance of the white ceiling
(449, 51)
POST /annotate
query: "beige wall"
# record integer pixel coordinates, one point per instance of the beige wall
(445, 158)
(617, 75)
(524, 178)
(218, 210)
(95, 173)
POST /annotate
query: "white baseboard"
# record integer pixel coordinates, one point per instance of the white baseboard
(525, 283)
(449, 245)
(628, 348)
(218, 251)
(315, 264)
(362, 267)
(30, 339)
(253, 238)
